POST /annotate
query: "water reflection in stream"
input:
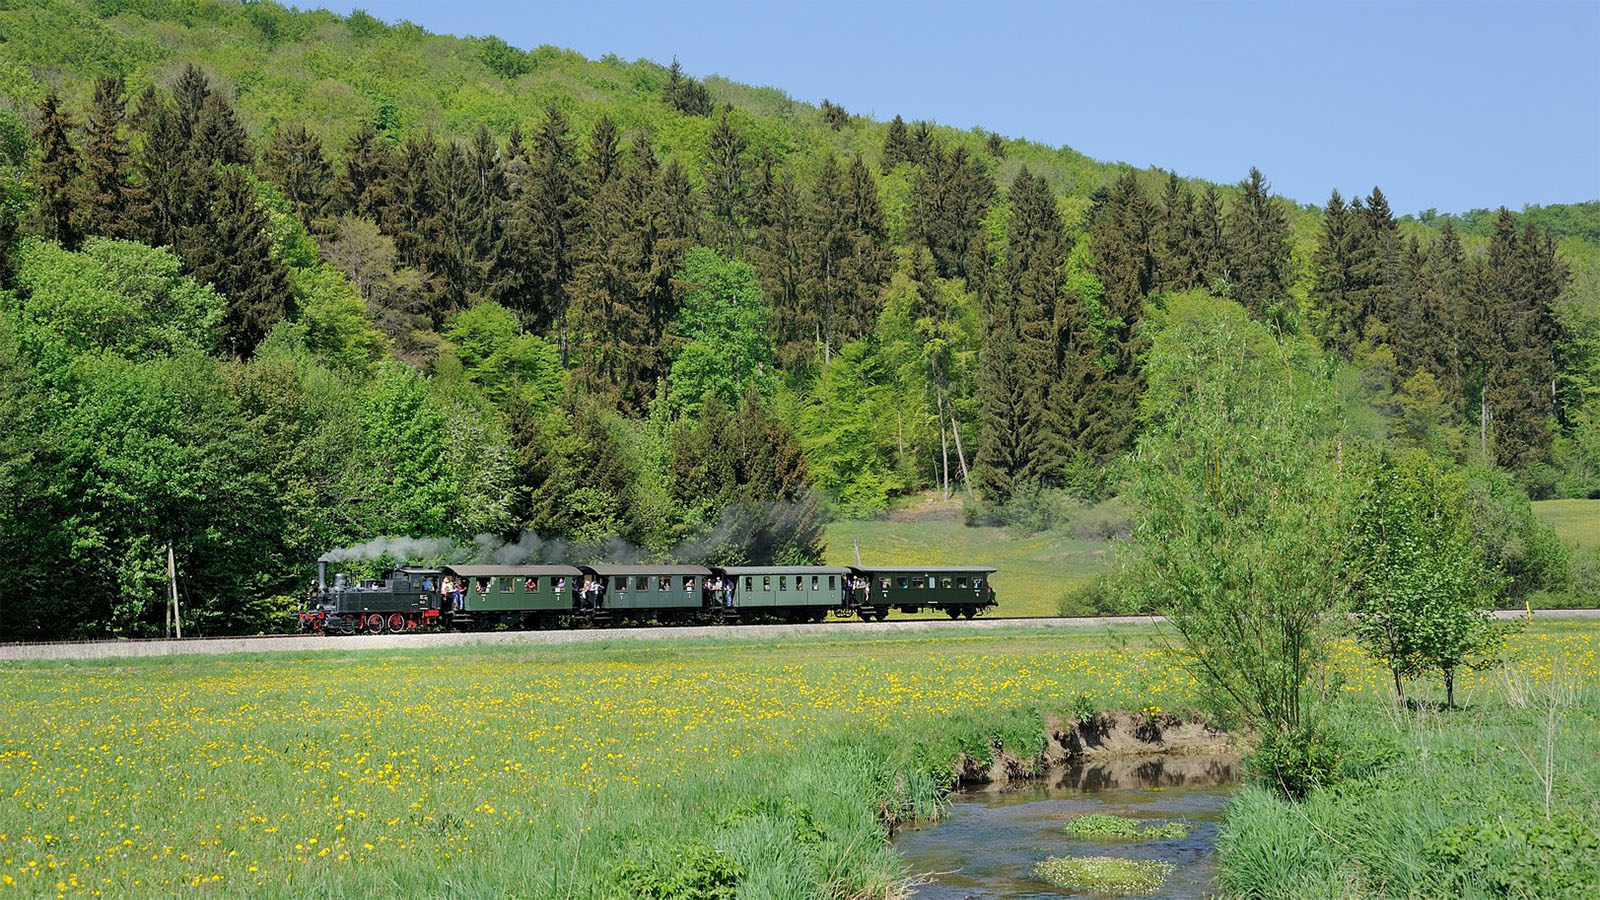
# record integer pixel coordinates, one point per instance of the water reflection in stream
(988, 845)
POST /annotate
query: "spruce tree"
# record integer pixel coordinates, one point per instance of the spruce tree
(294, 161)
(897, 146)
(457, 259)
(725, 184)
(781, 262)
(547, 225)
(108, 195)
(870, 254)
(949, 199)
(831, 245)
(57, 174)
(1177, 239)
(410, 205)
(367, 163)
(1021, 440)
(1123, 242)
(1259, 251)
(218, 135)
(189, 95)
(231, 249)
(1330, 267)
(1211, 242)
(145, 109)
(602, 159)
(171, 185)
(1444, 308)
(682, 220)
(995, 145)
(1374, 259)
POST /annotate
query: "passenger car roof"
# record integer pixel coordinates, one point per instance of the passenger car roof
(784, 570)
(494, 571)
(646, 569)
(942, 570)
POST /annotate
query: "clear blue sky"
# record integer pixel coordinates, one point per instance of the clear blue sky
(1446, 105)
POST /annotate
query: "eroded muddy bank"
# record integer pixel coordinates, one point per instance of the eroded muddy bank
(1123, 738)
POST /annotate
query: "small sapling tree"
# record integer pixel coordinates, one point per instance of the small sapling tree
(1421, 591)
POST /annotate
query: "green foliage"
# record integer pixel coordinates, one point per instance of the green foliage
(500, 358)
(112, 296)
(1511, 539)
(847, 427)
(1523, 856)
(1239, 506)
(688, 873)
(726, 329)
(1105, 825)
(1297, 762)
(1421, 591)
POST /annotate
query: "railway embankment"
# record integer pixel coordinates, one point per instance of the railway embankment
(299, 643)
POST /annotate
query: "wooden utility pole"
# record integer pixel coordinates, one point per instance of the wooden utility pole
(857, 546)
(174, 621)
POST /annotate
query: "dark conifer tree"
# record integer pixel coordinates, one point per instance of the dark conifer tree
(623, 298)
(57, 178)
(410, 204)
(831, 246)
(1211, 241)
(1177, 240)
(781, 257)
(1021, 442)
(367, 163)
(686, 94)
(145, 109)
(995, 145)
(1375, 272)
(725, 181)
(547, 225)
(294, 161)
(1444, 307)
(949, 199)
(219, 137)
(108, 195)
(922, 142)
(231, 249)
(897, 147)
(835, 115)
(189, 95)
(870, 254)
(1124, 244)
(1259, 251)
(1330, 267)
(458, 260)
(171, 185)
(682, 205)
(603, 157)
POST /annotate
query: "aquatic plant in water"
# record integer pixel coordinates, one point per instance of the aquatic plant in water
(1105, 825)
(1109, 875)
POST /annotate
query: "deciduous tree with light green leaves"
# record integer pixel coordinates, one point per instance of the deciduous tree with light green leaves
(1240, 502)
(1421, 591)
(727, 329)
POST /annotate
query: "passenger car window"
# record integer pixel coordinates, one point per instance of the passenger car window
(507, 584)
(831, 585)
(663, 582)
(621, 583)
(961, 582)
(783, 582)
(946, 584)
(766, 582)
(641, 582)
(902, 583)
(748, 583)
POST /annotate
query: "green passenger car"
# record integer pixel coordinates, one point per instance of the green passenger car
(957, 590)
(778, 587)
(509, 593)
(650, 586)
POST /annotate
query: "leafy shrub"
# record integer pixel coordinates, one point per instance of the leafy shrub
(695, 872)
(1296, 762)
(1523, 856)
(1512, 539)
(1094, 597)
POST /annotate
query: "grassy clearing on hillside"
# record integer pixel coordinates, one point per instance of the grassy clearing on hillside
(623, 770)
(1034, 570)
(1577, 522)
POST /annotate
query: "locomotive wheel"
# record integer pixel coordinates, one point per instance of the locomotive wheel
(397, 622)
(375, 624)
(347, 626)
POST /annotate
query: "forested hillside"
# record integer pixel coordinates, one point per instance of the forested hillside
(276, 282)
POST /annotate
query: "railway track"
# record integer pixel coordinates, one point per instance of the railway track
(299, 643)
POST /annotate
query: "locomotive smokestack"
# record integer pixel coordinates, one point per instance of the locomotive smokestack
(322, 574)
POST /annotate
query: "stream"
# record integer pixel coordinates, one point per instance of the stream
(988, 844)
